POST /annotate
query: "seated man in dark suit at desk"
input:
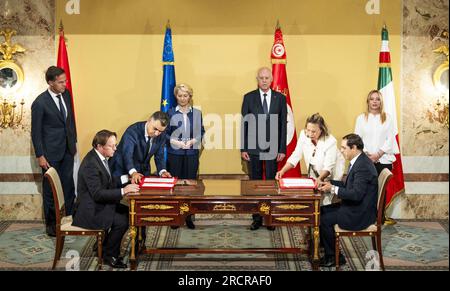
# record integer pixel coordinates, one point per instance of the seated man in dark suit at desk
(359, 196)
(99, 194)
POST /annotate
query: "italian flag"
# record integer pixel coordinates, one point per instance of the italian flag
(385, 85)
(63, 63)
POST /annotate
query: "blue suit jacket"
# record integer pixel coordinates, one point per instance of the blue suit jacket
(131, 152)
(359, 194)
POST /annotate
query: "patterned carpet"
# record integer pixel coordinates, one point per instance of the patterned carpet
(408, 245)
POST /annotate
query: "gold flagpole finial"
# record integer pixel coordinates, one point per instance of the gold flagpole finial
(168, 23)
(278, 24)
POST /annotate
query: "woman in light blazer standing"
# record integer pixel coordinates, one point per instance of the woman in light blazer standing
(376, 128)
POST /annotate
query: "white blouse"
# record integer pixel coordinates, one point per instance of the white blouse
(324, 158)
(377, 136)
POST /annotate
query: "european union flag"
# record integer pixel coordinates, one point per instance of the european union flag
(168, 83)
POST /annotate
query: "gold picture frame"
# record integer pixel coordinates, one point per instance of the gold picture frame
(11, 76)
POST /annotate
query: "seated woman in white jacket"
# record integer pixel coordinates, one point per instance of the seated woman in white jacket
(319, 149)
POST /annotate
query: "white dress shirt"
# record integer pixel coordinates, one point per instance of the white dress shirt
(325, 157)
(268, 97)
(56, 100)
(103, 159)
(377, 136)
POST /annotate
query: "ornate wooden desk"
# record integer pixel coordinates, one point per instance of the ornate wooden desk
(277, 207)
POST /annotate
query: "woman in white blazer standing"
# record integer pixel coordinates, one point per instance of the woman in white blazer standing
(376, 128)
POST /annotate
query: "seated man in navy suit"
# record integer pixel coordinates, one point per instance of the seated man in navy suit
(359, 196)
(139, 143)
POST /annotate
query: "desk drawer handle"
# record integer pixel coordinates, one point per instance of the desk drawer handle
(264, 208)
(157, 207)
(292, 206)
(157, 219)
(291, 219)
(184, 208)
(224, 207)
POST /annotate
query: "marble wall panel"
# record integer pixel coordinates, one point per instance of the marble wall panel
(35, 25)
(422, 134)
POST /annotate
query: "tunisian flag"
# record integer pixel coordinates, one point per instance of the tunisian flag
(280, 84)
(386, 86)
(63, 63)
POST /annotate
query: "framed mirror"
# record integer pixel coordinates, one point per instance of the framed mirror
(11, 76)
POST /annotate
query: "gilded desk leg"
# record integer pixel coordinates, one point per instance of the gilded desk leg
(139, 245)
(133, 248)
(132, 236)
(316, 236)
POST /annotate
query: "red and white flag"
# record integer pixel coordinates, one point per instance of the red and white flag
(63, 62)
(280, 84)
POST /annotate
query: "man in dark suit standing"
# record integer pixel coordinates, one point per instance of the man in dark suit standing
(99, 195)
(264, 126)
(358, 194)
(139, 143)
(54, 140)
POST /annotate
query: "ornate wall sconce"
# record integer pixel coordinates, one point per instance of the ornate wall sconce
(9, 113)
(11, 79)
(440, 112)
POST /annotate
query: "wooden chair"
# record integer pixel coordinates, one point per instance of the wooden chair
(374, 230)
(64, 225)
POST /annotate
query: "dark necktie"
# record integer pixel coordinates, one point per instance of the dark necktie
(105, 162)
(265, 107)
(348, 172)
(349, 168)
(148, 147)
(61, 107)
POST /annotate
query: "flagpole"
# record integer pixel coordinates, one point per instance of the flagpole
(385, 85)
(280, 84)
(387, 220)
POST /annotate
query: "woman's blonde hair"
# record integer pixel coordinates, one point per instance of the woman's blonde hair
(382, 113)
(183, 87)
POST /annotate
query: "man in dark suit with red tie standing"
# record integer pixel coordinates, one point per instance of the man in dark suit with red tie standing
(264, 127)
(54, 140)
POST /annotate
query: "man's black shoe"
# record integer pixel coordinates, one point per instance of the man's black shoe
(271, 228)
(174, 226)
(51, 230)
(189, 223)
(256, 224)
(115, 263)
(330, 261)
